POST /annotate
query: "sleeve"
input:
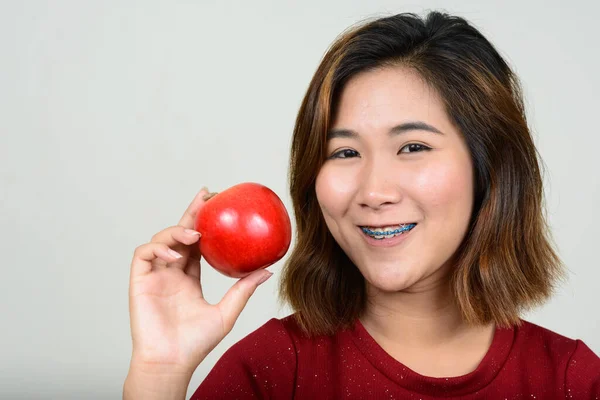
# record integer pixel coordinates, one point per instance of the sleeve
(582, 377)
(260, 366)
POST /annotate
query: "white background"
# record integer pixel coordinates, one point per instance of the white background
(114, 114)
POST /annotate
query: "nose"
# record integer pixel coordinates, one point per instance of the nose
(379, 188)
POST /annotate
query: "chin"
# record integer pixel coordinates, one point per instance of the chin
(389, 278)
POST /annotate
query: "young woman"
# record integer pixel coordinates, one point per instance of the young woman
(421, 238)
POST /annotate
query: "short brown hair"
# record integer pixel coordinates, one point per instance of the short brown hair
(506, 262)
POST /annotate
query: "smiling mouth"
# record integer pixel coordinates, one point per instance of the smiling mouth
(387, 232)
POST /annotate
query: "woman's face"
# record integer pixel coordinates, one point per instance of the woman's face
(384, 168)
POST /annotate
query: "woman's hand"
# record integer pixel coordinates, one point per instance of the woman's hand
(173, 328)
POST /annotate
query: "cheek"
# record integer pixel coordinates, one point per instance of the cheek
(448, 185)
(334, 189)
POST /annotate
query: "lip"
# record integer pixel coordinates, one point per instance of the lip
(395, 241)
(385, 225)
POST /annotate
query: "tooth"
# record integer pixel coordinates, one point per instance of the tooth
(387, 232)
(387, 228)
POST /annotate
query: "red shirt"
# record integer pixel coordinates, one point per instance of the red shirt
(277, 362)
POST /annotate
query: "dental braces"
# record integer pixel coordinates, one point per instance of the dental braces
(387, 233)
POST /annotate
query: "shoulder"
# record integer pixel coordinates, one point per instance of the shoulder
(533, 337)
(574, 362)
(262, 365)
(533, 334)
(530, 333)
(270, 344)
(276, 335)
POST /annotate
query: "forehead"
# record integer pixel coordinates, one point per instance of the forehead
(384, 97)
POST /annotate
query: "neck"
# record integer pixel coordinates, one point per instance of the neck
(422, 327)
(425, 317)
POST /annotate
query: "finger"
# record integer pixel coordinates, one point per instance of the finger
(193, 268)
(179, 239)
(145, 254)
(237, 296)
(189, 216)
(175, 236)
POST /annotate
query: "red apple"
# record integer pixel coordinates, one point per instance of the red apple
(244, 228)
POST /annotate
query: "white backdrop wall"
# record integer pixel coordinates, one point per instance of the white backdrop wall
(113, 114)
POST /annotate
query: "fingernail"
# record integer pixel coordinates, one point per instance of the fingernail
(174, 253)
(209, 196)
(264, 278)
(192, 232)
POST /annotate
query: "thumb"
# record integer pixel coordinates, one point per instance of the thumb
(234, 301)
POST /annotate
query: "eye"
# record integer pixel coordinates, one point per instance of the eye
(346, 153)
(414, 148)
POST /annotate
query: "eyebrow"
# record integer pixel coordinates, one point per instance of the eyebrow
(396, 130)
